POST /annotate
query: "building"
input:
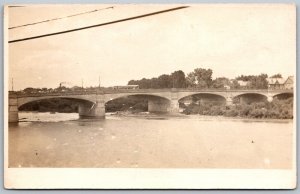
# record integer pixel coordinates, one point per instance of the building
(281, 83)
(289, 83)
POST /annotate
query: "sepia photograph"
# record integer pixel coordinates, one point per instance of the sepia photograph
(142, 87)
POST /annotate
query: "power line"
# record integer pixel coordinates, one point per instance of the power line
(97, 25)
(15, 6)
(44, 21)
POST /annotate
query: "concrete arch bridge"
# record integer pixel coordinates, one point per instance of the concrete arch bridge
(92, 104)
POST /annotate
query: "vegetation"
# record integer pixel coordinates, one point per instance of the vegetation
(277, 109)
(51, 105)
(198, 78)
(278, 75)
(202, 78)
(130, 103)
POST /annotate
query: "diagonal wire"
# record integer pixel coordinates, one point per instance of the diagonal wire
(14, 6)
(59, 18)
(98, 25)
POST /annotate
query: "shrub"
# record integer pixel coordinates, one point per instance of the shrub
(277, 109)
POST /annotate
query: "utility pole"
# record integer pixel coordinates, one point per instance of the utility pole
(81, 83)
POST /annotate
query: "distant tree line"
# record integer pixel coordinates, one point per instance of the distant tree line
(198, 78)
(202, 78)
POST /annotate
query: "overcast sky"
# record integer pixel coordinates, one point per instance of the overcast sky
(230, 39)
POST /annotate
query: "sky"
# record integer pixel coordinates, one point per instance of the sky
(230, 39)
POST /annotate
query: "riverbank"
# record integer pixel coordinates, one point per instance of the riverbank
(277, 109)
(146, 115)
(58, 117)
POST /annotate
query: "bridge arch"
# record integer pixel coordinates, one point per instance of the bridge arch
(283, 95)
(26, 100)
(111, 97)
(203, 97)
(249, 98)
(154, 103)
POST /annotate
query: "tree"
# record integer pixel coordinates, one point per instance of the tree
(132, 82)
(278, 75)
(220, 82)
(165, 81)
(255, 81)
(203, 77)
(29, 90)
(44, 90)
(259, 82)
(178, 79)
(191, 79)
(245, 77)
(154, 83)
(234, 84)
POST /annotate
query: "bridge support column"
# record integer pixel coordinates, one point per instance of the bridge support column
(13, 113)
(270, 98)
(158, 105)
(229, 101)
(97, 110)
(174, 106)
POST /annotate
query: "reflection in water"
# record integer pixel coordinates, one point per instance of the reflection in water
(154, 141)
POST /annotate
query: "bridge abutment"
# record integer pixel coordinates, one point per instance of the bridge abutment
(13, 115)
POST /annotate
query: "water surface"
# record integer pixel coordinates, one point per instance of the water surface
(149, 141)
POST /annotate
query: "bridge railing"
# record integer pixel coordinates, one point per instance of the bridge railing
(111, 91)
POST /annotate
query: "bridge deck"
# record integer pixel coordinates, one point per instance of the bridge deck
(115, 91)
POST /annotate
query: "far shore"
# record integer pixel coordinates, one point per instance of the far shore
(196, 116)
(149, 115)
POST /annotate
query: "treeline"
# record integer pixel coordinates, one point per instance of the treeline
(31, 90)
(277, 109)
(202, 78)
(198, 78)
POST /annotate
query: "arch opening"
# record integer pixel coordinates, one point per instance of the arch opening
(249, 98)
(56, 104)
(202, 98)
(203, 104)
(283, 96)
(137, 103)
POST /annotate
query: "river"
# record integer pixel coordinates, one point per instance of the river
(149, 141)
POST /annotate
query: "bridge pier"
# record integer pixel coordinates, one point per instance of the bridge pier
(229, 101)
(174, 106)
(97, 110)
(270, 98)
(13, 112)
(163, 106)
(158, 105)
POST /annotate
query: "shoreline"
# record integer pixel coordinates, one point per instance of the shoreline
(163, 116)
(192, 116)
